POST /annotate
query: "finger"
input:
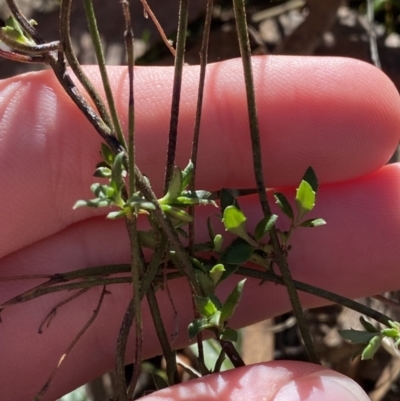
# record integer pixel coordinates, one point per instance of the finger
(339, 115)
(355, 254)
(273, 381)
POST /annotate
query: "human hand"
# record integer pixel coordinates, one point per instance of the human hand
(340, 116)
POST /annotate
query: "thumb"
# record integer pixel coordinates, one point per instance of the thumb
(271, 381)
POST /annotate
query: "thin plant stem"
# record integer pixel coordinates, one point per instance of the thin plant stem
(245, 51)
(232, 353)
(46, 386)
(153, 266)
(137, 264)
(176, 90)
(70, 88)
(219, 361)
(33, 50)
(65, 22)
(120, 352)
(150, 13)
(128, 35)
(136, 270)
(166, 227)
(199, 108)
(64, 287)
(319, 292)
(50, 316)
(94, 32)
(169, 354)
(22, 58)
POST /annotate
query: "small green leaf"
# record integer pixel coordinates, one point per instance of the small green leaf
(116, 215)
(116, 173)
(14, 31)
(198, 325)
(229, 270)
(227, 199)
(368, 326)
(205, 306)
(198, 194)
(392, 333)
(189, 201)
(79, 203)
(218, 243)
(234, 221)
(187, 175)
(233, 218)
(215, 320)
(216, 273)
(177, 213)
(238, 252)
(264, 226)
(139, 202)
(102, 191)
(174, 188)
(96, 203)
(229, 334)
(232, 301)
(357, 336)
(373, 346)
(394, 325)
(107, 155)
(102, 172)
(305, 199)
(310, 177)
(284, 204)
(312, 223)
(205, 281)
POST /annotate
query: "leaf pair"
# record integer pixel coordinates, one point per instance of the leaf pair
(305, 201)
(215, 314)
(177, 197)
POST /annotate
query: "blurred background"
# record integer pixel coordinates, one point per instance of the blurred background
(295, 27)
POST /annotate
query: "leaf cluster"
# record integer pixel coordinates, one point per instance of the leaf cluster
(371, 338)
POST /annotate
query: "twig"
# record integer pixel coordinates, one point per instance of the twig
(65, 21)
(94, 33)
(232, 353)
(245, 51)
(33, 50)
(22, 58)
(120, 352)
(176, 90)
(46, 386)
(53, 311)
(169, 354)
(199, 108)
(150, 13)
(319, 292)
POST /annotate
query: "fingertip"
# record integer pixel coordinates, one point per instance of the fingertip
(340, 115)
(268, 381)
(326, 385)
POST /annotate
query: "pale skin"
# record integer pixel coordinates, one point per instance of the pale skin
(341, 116)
